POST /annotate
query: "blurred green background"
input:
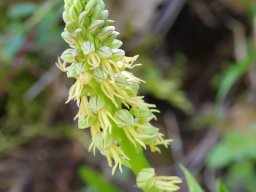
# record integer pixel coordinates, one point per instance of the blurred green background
(198, 60)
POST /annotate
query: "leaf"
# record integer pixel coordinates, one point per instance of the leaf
(193, 186)
(20, 10)
(234, 147)
(221, 187)
(96, 180)
(233, 73)
(219, 156)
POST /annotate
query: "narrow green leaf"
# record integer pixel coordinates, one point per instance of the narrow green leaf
(96, 180)
(233, 73)
(20, 10)
(193, 186)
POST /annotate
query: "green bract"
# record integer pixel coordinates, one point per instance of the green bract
(103, 87)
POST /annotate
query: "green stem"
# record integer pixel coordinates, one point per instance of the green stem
(137, 159)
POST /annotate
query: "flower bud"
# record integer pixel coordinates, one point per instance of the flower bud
(65, 17)
(67, 6)
(82, 17)
(104, 14)
(112, 36)
(78, 35)
(106, 32)
(96, 12)
(123, 118)
(68, 38)
(109, 22)
(145, 179)
(88, 47)
(104, 52)
(99, 74)
(73, 13)
(95, 25)
(90, 4)
(78, 6)
(96, 103)
(71, 26)
(116, 44)
(69, 56)
(117, 54)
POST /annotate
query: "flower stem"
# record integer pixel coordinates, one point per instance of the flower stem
(137, 159)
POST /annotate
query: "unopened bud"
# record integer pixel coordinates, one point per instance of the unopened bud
(117, 54)
(70, 26)
(90, 4)
(116, 44)
(104, 52)
(82, 17)
(78, 5)
(69, 56)
(104, 14)
(78, 34)
(73, 13)
(68, 38)
(65, 17)
(95, 25)
(106, 32)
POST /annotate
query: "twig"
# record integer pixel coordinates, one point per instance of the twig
(239, 38)
(42, 83)
(195, 159)
(173, 131)
(167, 18)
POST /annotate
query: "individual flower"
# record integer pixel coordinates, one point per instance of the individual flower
(147, 179)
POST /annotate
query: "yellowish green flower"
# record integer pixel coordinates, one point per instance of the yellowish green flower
(147, 179)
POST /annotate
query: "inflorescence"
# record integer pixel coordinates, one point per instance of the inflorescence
(105, 90)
